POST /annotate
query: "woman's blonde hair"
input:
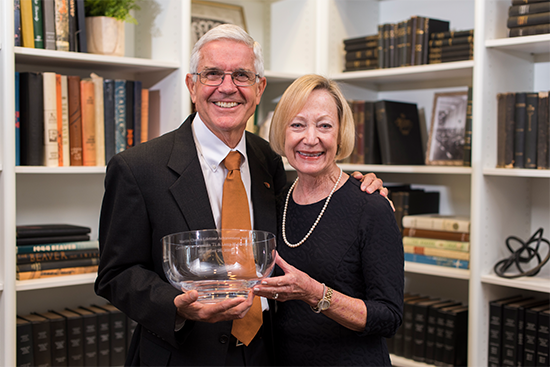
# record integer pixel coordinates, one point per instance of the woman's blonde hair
(295, 98)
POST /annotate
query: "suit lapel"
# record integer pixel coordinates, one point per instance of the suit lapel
(263, 193)
(189, 190)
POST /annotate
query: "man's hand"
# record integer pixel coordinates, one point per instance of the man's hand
(370, 183)
(230, 309)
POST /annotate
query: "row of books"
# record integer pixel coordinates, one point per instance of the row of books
(81, 336)
(361, 53)
(523, 131)
(68, 121)
(436, 239)
(50, 250)
(434, 331)
(406, 43)
(50, 24)
(518, 331)
(410, 201)
(387, 132)
(451, 46)
(528, 17)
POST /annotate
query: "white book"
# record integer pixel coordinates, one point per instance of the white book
(51, 158)
(437, 222)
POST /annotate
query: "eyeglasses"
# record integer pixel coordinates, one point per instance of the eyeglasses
(215, 77)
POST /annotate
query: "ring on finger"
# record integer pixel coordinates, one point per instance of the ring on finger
(275, 295)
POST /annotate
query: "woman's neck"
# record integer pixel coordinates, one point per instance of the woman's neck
(311, 189)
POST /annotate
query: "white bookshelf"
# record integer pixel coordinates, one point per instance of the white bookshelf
(298, 37)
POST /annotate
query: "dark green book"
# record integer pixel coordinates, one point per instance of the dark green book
(38, 25)
(543, 134)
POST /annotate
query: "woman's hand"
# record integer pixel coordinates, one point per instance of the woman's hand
(231, 309)
(295, 284)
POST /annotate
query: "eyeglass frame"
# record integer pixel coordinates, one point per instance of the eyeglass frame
(256, 77)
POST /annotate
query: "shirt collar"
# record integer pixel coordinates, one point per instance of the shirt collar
(211, 147)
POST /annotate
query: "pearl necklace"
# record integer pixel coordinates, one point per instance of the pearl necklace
(293, 245)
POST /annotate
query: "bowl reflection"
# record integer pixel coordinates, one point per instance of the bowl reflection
(219, 264)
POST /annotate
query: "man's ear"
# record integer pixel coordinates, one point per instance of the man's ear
(190, 86)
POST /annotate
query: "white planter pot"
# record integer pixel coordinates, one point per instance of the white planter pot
(105, 36)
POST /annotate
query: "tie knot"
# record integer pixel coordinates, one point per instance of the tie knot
(233, 161)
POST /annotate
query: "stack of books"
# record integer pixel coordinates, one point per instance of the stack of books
(523, 120)
(66, 120)
(434, 331)
(437, 239)
(451, 46)
(361, 53)
(528, 17)
(411, 201)
(406, 43)
(81, 336)
(50, 250)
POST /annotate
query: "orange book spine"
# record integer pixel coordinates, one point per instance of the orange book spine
(38, 274)
(87, 103)
(144, 115)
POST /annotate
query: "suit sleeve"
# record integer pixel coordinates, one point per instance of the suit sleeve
(128, 274)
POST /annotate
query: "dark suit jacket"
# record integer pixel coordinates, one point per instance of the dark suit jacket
(152, 190)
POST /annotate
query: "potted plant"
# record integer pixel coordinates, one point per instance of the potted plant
(105, 25)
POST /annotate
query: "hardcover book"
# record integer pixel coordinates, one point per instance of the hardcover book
(62, 25)
(54, 256)
(58, 264)
(87, 105)
(519, 130)
(468, 134)
(543, 134)
(103, 335)
(528, 19)
(27, 26)
(38, 26)
(65, 246)
(431, 26)
(99, 119)
(41, 339)
(120, 115)
(437, 260)
(89, 327)
(408, 325)
(17, 23)
(495, 329)
(531, 128)
(17, 121)
(437, 235)
(51, 158)
(439, 252)
(48, 12)
(370, 135)
(130, 113)
(65, 145)
(25, 355)
(431, 329)
(31, 118)
(137, 112)
(420, 316)
(438, 222)
(118, 334)
(58, 335)
(144, 115)
(39, 274)
(46, 230)
(525, 9)
(109, 118)
(75, 337)
(542, 336)
(75, 120)
(530, 334)
(456, 337)
(72, 25)
(529, 30)
(399, 133)
(81, 43)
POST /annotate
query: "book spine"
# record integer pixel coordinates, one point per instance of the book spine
(75, 120)
(411, 57)
(82, 45)
(542, 337)
(72, 24)
(543, 134)
(451, 41)
(456, 338)
(380, 46)
(371, 144)
(24, 343)
(438, 235)
(529, 19)
(522, 2)
(64, 246)
(17, 23)
(467, 160)
(451, 34)
(436, 223)
(75, 340)
(59, 111)
(99, 119)
(109, 118)
(519, 131)
(445, 49)
(144, 115)
(419, 45)
(48, 12)
(439, 349)
(41, 341)
(62, 25)
(526, 9)
(420, 333)
(435, 243)
(430, 251)
(39, 274)
(87, 103)
(27, 23)
(393, 45)
(509, 336)
(103, 333)
(120, 115)
(66, 149)
(435, 260)
(501, 129)
(530, 338)
(58, 332)
(17, 121)
(531, 128)
(383, 135)
(529, 30)
(32, 119)
(38, 26)
(129, 113)
(56, 256)
(510, 123)
(361, 63)
(137, 112)
(362, 55)
(59, 264)
(362, 39)
(50, 120)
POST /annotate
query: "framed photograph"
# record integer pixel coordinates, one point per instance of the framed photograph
(448, 128)
(206, 15)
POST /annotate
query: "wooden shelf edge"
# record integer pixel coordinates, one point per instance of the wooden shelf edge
(517, 172)
(434, 270)
(538, 284)
(55, 282)
(58, 170)
(405, 362)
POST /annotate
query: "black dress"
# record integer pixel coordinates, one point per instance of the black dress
(356, 249)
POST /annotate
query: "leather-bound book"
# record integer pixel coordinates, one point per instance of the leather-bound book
(431, 26)
(399, 133)
(519, 131)
(543, 134)
(137, 112)
(41, 339)
(58, 338)
(510, 127)
(370, 135)
(31, 128)
(531, 129)
(75, 120)
(109, 118)
(129, 113)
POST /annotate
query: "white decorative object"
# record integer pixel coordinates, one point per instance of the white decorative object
(105, 36)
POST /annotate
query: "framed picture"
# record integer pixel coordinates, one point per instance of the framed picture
(448, 128)
(206, 15)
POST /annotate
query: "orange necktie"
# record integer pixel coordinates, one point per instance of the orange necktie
(235, 215)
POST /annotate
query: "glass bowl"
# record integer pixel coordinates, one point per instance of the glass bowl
(219, 264)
